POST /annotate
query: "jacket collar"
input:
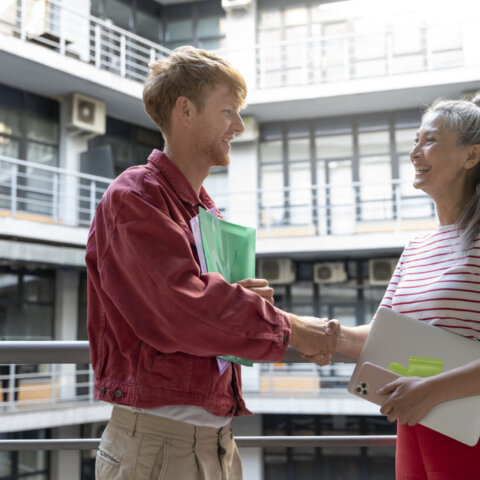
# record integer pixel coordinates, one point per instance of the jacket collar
(177, 180)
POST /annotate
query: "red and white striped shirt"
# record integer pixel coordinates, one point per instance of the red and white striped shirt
(435, 283)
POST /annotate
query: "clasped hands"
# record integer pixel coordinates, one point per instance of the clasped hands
(315, 338)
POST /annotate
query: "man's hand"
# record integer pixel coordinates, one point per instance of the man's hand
(259, 286)
(314, 338)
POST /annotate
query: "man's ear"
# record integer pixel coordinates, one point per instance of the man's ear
(184, 109)
(473, 156)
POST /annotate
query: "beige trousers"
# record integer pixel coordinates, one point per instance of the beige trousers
(139, 446)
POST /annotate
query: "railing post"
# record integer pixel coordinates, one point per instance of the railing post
(11, 387)
(98, 46)
(13, 193)
(60, 27)
(53, 378)
(23, 19)
(91, 383)
(55, 202)
(93, 190)
(123, 56)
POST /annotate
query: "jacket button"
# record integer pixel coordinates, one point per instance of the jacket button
(118, 393)
(103, 391)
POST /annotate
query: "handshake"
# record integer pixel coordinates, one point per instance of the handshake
(314, 338)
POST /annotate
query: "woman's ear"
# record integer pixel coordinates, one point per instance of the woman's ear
(473, 157)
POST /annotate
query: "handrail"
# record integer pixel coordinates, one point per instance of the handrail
(242, 442)
(78, 352)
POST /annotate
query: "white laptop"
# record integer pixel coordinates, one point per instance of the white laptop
(395, 337)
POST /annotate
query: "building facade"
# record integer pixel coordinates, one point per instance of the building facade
(322, 171)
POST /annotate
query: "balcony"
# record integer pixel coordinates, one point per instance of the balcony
(404, 57)
(38, 201)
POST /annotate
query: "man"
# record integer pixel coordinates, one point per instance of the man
(155, 323)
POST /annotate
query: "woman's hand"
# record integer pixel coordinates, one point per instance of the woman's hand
(409, 399)
(259, 286)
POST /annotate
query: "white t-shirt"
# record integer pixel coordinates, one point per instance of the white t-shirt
(194, 415)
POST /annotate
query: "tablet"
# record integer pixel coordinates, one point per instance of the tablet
(394, 338)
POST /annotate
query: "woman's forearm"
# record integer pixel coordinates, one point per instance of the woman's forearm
(350, 340)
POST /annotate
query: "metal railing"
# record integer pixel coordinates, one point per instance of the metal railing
(314, 60)
(44, 193)
(77, 34)
(378, 52)
(30, 190)
(48, 384)
(53, 352)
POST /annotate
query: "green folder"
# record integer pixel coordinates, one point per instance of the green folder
(230, 250)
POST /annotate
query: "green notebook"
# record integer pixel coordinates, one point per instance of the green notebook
(230, 250)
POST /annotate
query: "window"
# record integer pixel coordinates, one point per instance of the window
(29, 130)
(201, 24)
(127, 145)
(24, 464)
(335, 172)
(26, 304)
(327, 462)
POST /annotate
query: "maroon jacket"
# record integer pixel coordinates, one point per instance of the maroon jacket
(155, 323)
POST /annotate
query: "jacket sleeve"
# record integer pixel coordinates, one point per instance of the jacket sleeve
(152, 281)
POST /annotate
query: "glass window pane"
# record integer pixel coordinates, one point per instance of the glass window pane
(118, 12)
(341, 213)
(37, 289)
(179, 30)
(8, 287)
(272, 198)
(44, 154)
(149, 26)
(404, 139)
(211, 43)
(298, 149)
(334, 146)
(271, 152)
(9, 122)
(9, 148)
(374, 143)
(42, 130)
(296, 16)
(210, 26)
(30, 461)
(300, 193)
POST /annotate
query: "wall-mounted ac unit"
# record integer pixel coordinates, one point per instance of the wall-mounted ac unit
(87, 114)
(380, 270)
(250, 134)
(329, 272)
(232, 5)
(277, 270)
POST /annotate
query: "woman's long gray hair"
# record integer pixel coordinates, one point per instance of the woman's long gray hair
(463, 118)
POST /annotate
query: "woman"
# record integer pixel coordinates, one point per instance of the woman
(437, 280)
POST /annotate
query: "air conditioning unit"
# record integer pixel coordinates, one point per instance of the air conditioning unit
(87, 114)
(250, 134)
(380, 270)
(232, 5)
(277, 270)
(329, 272)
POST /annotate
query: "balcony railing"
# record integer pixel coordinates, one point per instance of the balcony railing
(30, 190)
(46, 384)
(76, 34)
(52, 352)
(380, 52)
